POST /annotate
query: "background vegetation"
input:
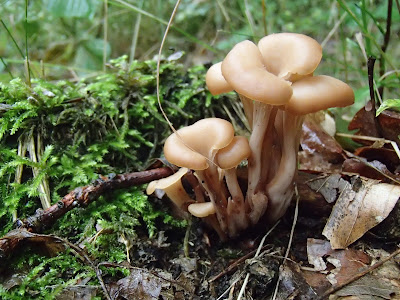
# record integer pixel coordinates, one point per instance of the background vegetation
(77, 99)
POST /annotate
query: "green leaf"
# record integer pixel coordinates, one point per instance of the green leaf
(71, 8)
(389, 104)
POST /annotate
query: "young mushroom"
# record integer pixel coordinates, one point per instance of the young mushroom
(173, 188)
(228, 159)
(195, 147)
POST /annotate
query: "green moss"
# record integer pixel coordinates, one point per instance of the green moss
(109, 124)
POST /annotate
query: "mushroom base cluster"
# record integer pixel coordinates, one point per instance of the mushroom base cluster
(276, 84)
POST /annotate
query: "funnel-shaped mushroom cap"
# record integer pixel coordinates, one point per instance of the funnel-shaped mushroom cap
(316, 93)
(290, 55)
(230, 156)
(244, 70)
(201, 210)
(194, 145)
(164, 183)
(173, 187)
(216, 83)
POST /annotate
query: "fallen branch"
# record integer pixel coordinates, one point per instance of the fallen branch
(79, 197)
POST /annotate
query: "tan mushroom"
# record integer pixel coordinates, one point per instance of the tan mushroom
(216, 83)
(276, 85)
(172, 186)
(244, 70)
(195, 147)
(310, 94)
(290, 56)
(201, 210)
(316, 93)
(228, 159)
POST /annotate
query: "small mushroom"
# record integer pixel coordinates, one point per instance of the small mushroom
(201, 210)
(228, 159)
(195, 147)
(216, 83)
(173, 187)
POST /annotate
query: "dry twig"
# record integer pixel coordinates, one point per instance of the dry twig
(79, 197)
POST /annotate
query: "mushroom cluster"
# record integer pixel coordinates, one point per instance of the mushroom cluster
(275, 83)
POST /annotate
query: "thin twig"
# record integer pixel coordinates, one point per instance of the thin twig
(79, 197)
(337, 287)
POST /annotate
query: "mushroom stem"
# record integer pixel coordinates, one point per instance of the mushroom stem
(263, 123)
(236, 210)
(210, 180)
(281, 188)
(248, 107)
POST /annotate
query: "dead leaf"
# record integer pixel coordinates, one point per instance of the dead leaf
(321, 152)
(362, 204)
(316, 251)
(390, 124)
(330, 187)
(52, 244)
(293, 284)
(138, 285)
(364, 122)
(370, 169)
(368, 286)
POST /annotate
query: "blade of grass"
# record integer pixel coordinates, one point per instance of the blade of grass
(122, 3)
(105, 32)
(249, 18)
(365, 27)
(264, 14)
(6, 67)
(365, 32)
(28, 68)
(135, 34)
(12, 38)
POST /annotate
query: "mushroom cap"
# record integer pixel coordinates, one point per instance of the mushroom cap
(193, 146)
(312, 94)
(216, 83)
(290, 55)
(244, 70)
(230, 156)
(201, 210)
(164, 183)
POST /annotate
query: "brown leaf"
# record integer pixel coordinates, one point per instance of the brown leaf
(364, 122)
(331, 266)
(138, 285)
(362, 204)
(368, 286)
(320, 152)
(373, 169)
(293, 284)
(52, 244)
(390, 124)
